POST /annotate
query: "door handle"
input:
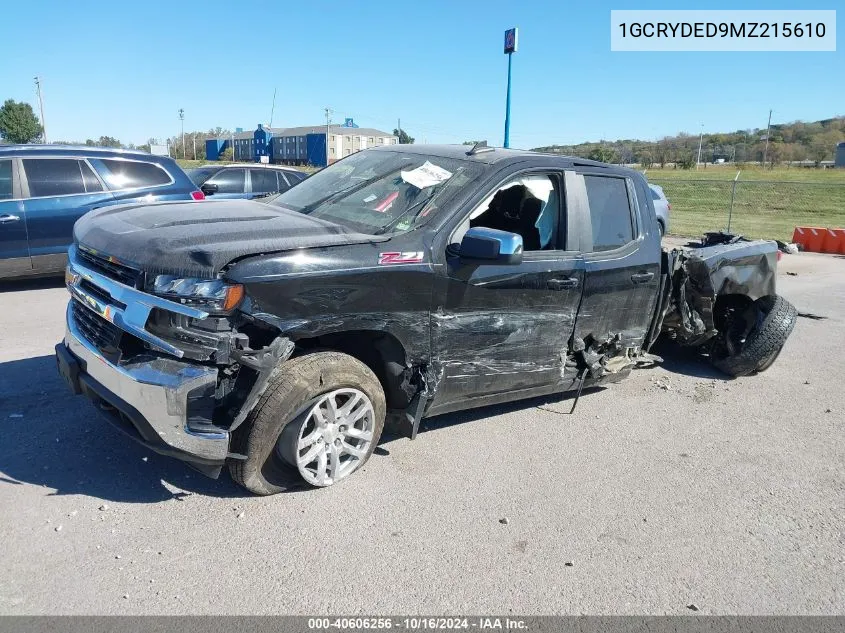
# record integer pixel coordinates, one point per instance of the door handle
(641, 278)
(8, 217)
(562, 284)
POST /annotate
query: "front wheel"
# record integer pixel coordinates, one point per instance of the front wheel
(317, 423)
(751, 338)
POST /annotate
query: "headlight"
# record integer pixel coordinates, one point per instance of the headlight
(215, 294)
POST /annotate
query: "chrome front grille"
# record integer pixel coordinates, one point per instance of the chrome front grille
(121, 305)
(111, 268)
(103, 335)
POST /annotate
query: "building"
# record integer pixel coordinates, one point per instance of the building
(299, 145)
(839, 158)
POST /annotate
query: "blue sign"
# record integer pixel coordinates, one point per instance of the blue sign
(511, 40)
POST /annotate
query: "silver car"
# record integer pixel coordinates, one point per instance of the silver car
(661, 207)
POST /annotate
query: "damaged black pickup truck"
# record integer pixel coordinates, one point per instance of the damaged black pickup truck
(399, 283)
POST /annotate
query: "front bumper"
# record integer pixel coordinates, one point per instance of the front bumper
(149, 396)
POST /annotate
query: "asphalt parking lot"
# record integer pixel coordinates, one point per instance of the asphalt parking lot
(677, 487)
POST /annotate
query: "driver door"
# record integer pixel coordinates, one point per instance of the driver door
(501, 331)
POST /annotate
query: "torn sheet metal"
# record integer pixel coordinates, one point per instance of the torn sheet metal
(742, 268)
(264, 362)
(699, 276)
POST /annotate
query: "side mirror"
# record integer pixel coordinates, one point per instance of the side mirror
(491, 245)
(209, 188)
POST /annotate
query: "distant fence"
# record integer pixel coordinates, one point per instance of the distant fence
(759, 209)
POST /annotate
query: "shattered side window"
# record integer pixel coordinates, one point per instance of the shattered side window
(528, 206)
(610, 212)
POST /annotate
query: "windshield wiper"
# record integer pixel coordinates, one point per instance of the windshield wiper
(431, 197)
(395, 220)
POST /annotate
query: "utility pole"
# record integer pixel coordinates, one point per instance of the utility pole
(272, 109)
(194, 141)
(700, 136)
(233, 147)
(182, 119)
(766, 148)
(41, 106)
(328, 123)
(511, 36)
(399, 130)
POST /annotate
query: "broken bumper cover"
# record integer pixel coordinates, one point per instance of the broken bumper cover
(150, 398)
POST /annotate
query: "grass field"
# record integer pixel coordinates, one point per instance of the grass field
(768, 203)
(749, 172)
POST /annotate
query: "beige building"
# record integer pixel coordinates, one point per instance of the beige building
(344, 141)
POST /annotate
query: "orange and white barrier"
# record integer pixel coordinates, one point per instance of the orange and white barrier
(820, 240)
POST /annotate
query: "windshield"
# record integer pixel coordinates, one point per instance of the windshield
(199, 175)
(379, 191)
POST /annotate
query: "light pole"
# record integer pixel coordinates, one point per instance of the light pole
(700, 136)
(182, 119)
(41, 106)
(766, 149)
(511, 41)
(328, 125)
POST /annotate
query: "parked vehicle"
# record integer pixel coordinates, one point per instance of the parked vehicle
(661, 207)
(397, 284)
(44, 189)
(250, 180)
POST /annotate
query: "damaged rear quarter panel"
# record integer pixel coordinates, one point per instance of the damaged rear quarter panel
(699, 276)
(744, 268)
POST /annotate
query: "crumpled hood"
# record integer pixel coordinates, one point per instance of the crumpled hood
(197, 239)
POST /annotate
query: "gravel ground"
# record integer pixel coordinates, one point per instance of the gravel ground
(676, 487)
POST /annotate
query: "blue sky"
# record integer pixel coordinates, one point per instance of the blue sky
(124, 69)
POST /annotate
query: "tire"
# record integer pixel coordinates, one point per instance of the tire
(771, 322)
(661, 229)
(270, 435)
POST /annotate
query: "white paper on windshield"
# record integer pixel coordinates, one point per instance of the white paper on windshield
(426, 175)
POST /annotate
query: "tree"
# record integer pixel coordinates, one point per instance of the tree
(108, 141)
(404, 139)
(602, 154)
(820, 151)
(646, 160)
(227, 155)
(687, 160)
(18, 123)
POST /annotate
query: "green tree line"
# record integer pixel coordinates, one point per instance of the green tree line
(788, 142)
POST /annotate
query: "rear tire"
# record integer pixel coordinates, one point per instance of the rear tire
(743, 350)
(271, 435)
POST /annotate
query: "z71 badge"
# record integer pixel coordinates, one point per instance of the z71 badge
(395, 257)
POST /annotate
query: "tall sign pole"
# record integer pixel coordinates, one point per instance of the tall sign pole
(511, 40)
